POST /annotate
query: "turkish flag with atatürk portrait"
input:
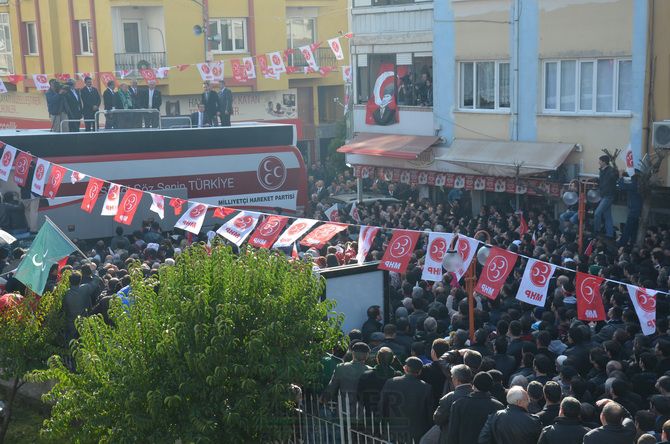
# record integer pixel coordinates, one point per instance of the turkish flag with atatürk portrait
(498, 266)
(399, 250)
(589, 302)
(382, 108)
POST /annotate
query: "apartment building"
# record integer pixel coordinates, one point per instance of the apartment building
(80, 36)
(526, 93)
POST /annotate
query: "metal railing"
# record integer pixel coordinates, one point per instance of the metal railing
(127, 119)
(74, 120)
(341, 422)
(323, 56)
(133, 62)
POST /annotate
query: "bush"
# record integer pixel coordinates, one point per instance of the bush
(30, 332)
(209, 357)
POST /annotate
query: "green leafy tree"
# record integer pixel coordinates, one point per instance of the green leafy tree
(209, 357)
(30, 333)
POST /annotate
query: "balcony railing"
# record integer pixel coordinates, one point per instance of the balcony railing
(324, 57)
(133, 62)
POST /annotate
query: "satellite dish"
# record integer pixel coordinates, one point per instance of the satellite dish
(197, 30)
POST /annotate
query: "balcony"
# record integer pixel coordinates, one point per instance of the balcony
(324, 57)
(133, 62)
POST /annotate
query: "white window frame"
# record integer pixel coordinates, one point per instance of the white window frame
(7, 54)
(497, 109)
(219, 22)
(88, 43)
(314, 30)
(578, 66)
(31, 29)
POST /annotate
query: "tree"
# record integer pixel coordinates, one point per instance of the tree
(30, 332)
(209, 357)
(335, 162)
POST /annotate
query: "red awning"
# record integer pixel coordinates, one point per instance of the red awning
(389, 145)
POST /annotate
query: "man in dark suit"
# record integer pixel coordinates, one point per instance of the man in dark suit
(469, 414)
(461, 377)
(152, 100)
(90, 103)
(211, 102)
(405, 403)
(225, 104)
(72, 106)
(109, 98)
(199, 118)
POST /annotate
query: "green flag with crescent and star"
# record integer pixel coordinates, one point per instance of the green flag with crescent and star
(49, 247)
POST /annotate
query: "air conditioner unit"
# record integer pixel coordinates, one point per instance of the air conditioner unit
(661, 135)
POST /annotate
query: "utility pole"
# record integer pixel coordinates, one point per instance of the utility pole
(205, 20)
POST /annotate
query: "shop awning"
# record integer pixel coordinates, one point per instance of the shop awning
(501, 158)
(395, 146)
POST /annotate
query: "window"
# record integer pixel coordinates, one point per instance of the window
(6, 59)
(601, 86)
(85, 38)
(390, 2)
(484, 85)
(31, 38)
(299, 32)
(228, 35)
(414, 74)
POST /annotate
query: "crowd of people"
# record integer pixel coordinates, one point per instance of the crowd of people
(527, 375)
(128, 106)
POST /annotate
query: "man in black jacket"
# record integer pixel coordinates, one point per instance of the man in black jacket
(211, 102)
(461, 377)
(109, 99)
(552, 396)
(469, 414)
(566, 427)
(90, 103)
(72, 106)
(225, 104)
(151, 99)
(514, 425)
(372, 381)
(405, 403)
(616, 428)
(372, 324)
(607, 180)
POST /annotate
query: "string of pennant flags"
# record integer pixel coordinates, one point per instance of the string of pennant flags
(271, 65)
(265, 230)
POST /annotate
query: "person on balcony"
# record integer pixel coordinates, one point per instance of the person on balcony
(152, 100)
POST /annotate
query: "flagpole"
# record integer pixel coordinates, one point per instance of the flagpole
(64, 235)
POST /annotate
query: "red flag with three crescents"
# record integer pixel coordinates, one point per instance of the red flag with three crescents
(21, 168)
(498, 266)
(589, 302)
(128, 206)
(54, 181)
(91, 195)
(268, 231)
(399, 250)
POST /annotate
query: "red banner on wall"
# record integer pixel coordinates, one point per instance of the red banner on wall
(399, 251)
(382, 108)
(498, 266)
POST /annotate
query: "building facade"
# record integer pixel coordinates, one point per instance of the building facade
(522, 89)
(90, 36)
